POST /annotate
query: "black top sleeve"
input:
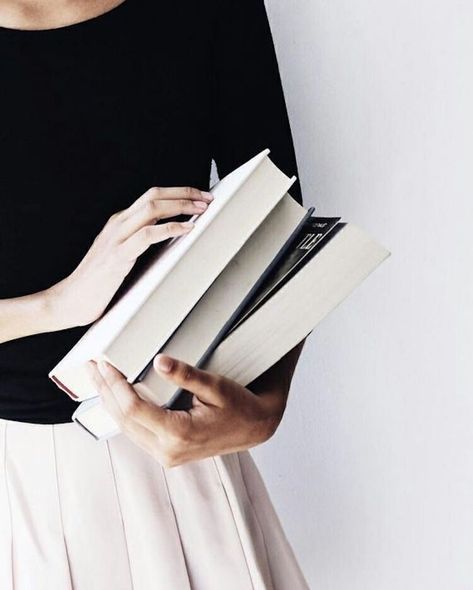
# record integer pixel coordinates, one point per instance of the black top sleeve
(249, 109)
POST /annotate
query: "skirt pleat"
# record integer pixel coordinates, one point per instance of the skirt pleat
(210, 537)
(37, 539)
(153, 540)
(93, 527)
(76, 514)
(284, 567)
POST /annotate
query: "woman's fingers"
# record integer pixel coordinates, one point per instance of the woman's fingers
(139, 434)
(140, 241)
(203, 384)
(188, 193)
(148, 425)
(138, 418)
(154, 210)
(160, 203)
(131, 406)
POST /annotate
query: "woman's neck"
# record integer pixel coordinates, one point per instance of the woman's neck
(50, 14)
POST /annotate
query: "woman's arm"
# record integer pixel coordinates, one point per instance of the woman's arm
(81, 297)
(29, 314)
(272, 387)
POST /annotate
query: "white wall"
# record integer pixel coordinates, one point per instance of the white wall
(371, 470)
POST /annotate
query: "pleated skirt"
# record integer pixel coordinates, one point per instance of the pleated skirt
(76, 514)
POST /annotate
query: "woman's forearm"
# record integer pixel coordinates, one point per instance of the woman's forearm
(273, 385)
(30, 314)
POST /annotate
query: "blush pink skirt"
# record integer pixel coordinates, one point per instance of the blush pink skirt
(76, 514)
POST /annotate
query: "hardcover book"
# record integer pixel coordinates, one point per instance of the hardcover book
(254, 291)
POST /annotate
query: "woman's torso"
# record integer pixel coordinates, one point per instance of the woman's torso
(92, 114)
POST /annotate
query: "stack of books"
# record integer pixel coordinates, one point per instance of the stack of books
(253, 278)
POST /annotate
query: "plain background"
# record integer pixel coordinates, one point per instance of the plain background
(371, 470)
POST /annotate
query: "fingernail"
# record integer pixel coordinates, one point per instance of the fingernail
(201, 204)
(164, 363)
(206, 195)
(187, 224)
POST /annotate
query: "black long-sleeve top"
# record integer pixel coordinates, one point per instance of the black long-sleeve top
(92, 115)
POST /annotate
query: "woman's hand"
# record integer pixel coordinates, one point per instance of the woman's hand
(83, 296)
(226, 417)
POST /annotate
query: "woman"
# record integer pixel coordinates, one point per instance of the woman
(111, 114)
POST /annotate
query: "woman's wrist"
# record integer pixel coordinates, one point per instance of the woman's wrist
(272, 387)
(273, 403)
(55, 309)
(30, 314)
